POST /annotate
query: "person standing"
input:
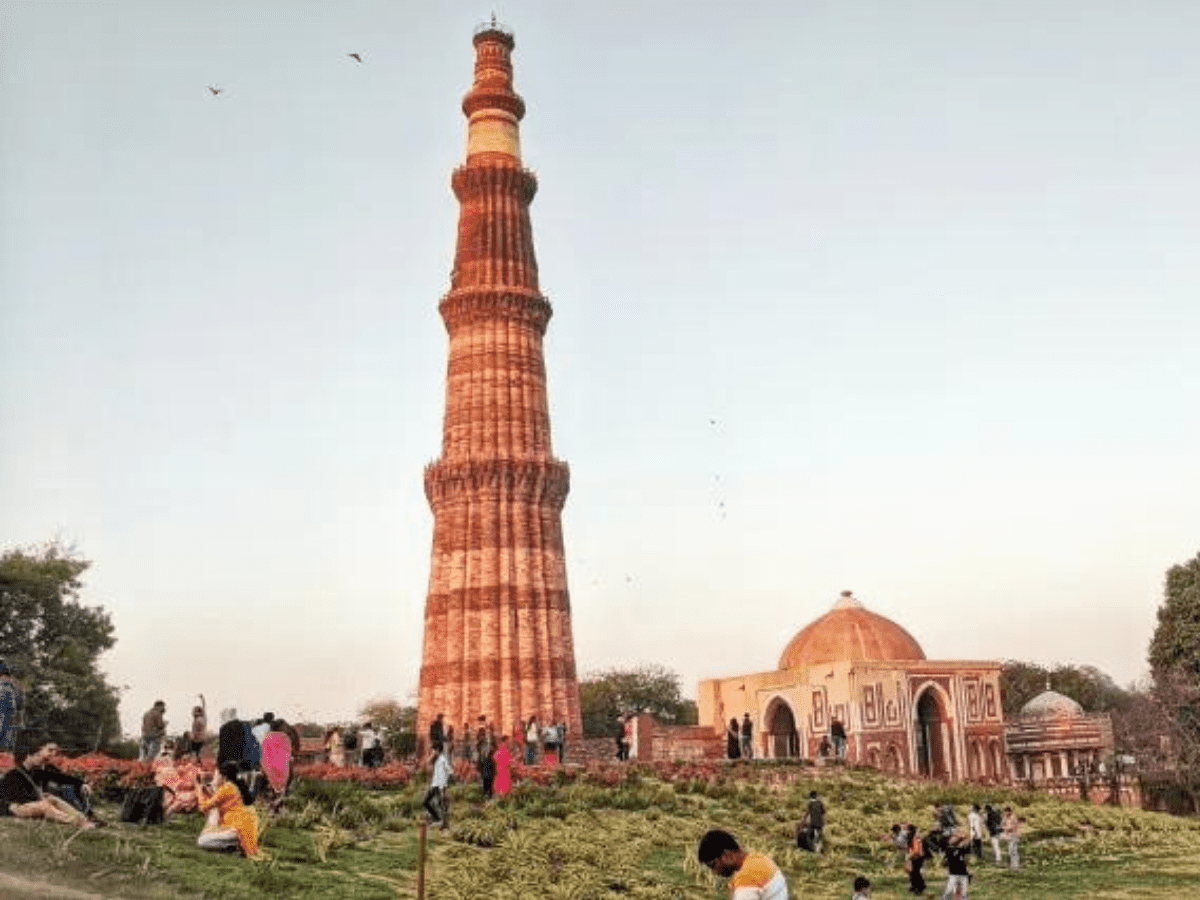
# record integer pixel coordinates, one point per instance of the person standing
(747, 737)
(618, 733)
(372, 745)
(437, 732)
(154, 729)
(550, 740)
(975, 824)
(199, 729)
(1012, 834)
(231, 738)
(958, 878)
(335, 750)
(10, 706)
(914, 861)
(995, 826)
(816, 820)
(435, 801)
(501, 761)
(733, 741)
(486, 752)
(562, 742)
(752, 876)
(837, 732)
(532, 735)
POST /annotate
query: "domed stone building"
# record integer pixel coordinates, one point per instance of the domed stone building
(900, 711)
(1052, 737)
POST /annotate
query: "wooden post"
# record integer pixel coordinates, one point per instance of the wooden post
(421, 860)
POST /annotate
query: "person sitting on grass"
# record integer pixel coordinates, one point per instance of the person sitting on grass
(232, 822)
(20, 795)
(177, 775)
(54, 781)
(752, 876)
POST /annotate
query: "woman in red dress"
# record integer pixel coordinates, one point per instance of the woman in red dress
(503, 761)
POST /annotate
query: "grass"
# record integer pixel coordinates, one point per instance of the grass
(581, 840)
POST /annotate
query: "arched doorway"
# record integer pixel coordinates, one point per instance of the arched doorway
(782, 738)
(933, 758)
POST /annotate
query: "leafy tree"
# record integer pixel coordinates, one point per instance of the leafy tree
(52, 643)
(399, 723)
(1092, 689)
(1166, 733)
(605, 695)
(1176, 640)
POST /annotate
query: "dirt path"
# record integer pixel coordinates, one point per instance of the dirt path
(16, 887)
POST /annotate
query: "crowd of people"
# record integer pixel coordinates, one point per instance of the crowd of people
(254, 769)
(956, 843)
(754, 875)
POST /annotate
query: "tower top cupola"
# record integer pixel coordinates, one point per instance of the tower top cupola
(493, 109)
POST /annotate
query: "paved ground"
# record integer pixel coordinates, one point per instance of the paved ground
(16, 887)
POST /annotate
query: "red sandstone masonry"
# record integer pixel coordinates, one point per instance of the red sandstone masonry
(498, 638)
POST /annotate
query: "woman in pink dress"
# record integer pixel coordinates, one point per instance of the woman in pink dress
(277, 757)
(503, 761)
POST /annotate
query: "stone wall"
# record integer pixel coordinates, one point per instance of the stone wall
(654, 742)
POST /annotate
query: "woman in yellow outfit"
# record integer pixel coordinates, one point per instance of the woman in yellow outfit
(232, 821)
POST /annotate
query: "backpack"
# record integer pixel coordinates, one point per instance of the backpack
(143, 806)
(350, 740)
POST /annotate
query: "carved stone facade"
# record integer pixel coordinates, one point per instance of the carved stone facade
(498, 638)
(901, 712)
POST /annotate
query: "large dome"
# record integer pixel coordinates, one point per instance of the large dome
(1051, 703)
(849, 632)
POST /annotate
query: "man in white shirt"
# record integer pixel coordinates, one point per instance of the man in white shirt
(975, 823)
(435, 801)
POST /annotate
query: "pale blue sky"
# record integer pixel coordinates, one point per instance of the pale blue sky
(929, 265)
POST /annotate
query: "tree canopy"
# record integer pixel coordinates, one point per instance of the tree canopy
(398, 722)
(1176, 640)
(605, 695)
(52, 642)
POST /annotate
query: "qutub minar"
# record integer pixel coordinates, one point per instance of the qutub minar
(498, 617)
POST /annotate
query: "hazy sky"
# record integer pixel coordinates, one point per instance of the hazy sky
(930, 267)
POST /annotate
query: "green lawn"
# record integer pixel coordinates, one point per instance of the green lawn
(583, 840)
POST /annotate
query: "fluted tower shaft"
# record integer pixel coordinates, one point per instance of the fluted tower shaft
(497, 617)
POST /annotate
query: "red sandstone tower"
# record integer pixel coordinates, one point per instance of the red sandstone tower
(497, 618)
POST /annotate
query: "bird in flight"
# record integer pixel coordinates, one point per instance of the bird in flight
(215, 90)
(355, 56)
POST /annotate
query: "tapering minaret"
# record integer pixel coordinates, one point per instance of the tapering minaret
(497, 618)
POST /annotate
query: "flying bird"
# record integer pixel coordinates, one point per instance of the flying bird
(355, 56)
(215, 90)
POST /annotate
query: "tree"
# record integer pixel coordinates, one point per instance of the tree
(605, 695)
(398, 722)
(1168, 731)
(52, 643)
(1092, 689)
(1176, 640)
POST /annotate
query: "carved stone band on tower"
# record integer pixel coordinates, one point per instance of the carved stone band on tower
(498, 637)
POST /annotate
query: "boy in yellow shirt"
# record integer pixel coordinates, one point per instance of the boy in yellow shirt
(752, 876)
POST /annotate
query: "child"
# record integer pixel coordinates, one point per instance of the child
(958, 850)
(862, 888)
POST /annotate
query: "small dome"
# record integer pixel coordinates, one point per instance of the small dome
(1051, 703)
(849, 632)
